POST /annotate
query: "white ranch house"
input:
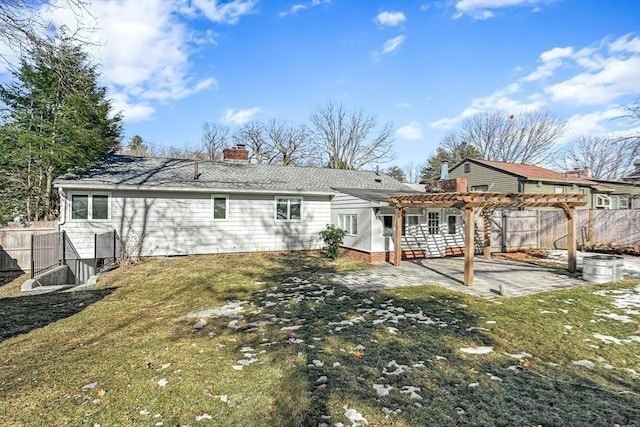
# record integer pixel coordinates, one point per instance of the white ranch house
(166, 207)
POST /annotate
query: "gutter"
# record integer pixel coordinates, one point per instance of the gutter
(77, 186)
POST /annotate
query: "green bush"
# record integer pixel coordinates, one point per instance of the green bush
(332, 237)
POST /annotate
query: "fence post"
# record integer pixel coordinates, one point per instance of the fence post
(33, 261)
(503, 242)
(64, 247)
(95, 252)
(114, 245)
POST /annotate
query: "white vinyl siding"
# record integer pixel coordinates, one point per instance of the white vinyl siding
(155, 223)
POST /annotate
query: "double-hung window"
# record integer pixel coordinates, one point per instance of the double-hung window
(220, 207)
(90, 206)
(288, 208)
(349, 223)
(433, 222)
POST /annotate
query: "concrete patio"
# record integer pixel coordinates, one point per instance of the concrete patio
(517, 278)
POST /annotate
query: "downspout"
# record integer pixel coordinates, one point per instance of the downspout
(63, 208)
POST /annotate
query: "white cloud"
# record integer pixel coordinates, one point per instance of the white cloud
(294, 9)
(240, 116)
(403, 105)
(224, 12)
(392, 45)
(412, 131)
(617, 77)
(593, 76)
(593, 123)
(390, 19)
(500, 100)
(144, 47)
(556, 53)
(551, 60)
(482, 9)
(300, 7)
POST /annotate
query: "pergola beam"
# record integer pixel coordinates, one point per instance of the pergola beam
(469, 224)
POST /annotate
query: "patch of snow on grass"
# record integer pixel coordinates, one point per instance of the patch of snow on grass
(231, 309)
(521, 355)
(382, 390)
(354, 416)
(477, 350)
(584, 363)
(613, 316)
(411, 391)
(607, 339)
(162, 382)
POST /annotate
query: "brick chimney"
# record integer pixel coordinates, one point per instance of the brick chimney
(237, 154)
(578, 173)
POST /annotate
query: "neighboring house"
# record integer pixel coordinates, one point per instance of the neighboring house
(178, 207)
(486, 175)
(634, 177)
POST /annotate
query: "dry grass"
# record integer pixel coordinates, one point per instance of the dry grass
(124, 336)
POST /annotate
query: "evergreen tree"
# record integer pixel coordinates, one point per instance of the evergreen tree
(58, 120)
(450, 151)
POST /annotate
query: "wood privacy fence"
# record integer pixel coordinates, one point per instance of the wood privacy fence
(15, 244)
(547, 229)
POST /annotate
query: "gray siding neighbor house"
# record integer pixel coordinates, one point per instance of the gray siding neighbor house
(486, 175)
(162, 206)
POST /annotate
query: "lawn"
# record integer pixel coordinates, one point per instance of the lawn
(267, 341)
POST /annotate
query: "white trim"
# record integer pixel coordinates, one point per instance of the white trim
(88, 187)
(288, 219)
(226, 207)
(89, 195)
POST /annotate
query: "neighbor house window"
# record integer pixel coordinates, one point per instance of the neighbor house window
(467, 167)
(479, 188)
(558, 189)
(89, 206)
(623, 201)
(220, 207)
(603, 201)
(433, 222)
(288, 208)
(349, 223)
(452, 224)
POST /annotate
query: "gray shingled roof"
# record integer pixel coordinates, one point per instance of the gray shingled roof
(178, 174)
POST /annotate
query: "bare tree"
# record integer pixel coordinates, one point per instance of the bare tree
(607, 158)
(253, 136)
(412, 172)
(289, 143)
(525, 138)
(214, 139)
(348, 139)
(22, 28)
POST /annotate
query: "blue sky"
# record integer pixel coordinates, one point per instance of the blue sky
(171, 65)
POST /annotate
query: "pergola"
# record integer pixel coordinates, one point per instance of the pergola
(471, 203)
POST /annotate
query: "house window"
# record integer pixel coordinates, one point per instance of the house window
(349, 223)
(479, 188)
(288, 208)
(452, 224)
(603, 201)
(467, 167)
(582, 191)
(433, 222)
(623, 201)
(387, 225)
(90, 206)
(220, 207)
(558, 189)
